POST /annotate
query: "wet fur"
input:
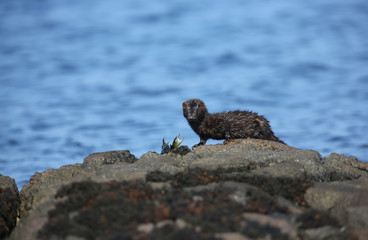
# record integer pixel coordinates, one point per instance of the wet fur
(226, 125)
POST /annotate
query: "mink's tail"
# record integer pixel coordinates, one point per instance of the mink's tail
(276, 139)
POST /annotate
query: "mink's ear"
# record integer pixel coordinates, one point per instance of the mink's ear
(184, 104)
(201, 104)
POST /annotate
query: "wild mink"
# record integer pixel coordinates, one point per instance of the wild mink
(226, 125)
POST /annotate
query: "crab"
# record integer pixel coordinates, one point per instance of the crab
(167, 148)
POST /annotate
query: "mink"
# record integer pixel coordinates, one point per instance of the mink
(226, 125)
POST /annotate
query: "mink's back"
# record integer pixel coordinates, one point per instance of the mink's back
(236, 124)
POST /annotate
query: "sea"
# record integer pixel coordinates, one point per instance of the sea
(78, 77)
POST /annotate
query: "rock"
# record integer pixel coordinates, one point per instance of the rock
(313, 218)
(164, 223)
(182, 150)
(346, 165)
(342, 200)
(8, 182)
(41, 185)
(253, 153)
(97, 166)
(231, 236)
(145, 227)
(357, 216)
(325, 233)
(247, 188)
(283, 222)
(113, 157)
(9, 205)
(360, 234)
(89, 209)
(180, 223)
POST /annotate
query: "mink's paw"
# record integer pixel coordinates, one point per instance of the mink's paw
(197, 145)
(226, 141)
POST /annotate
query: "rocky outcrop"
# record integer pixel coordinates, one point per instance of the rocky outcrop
(9, 205)
(246, 189)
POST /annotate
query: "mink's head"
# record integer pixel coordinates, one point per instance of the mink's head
(194, 110)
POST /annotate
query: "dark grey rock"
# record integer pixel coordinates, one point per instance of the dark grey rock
(347, 201)
(345, 165)
(182, 150)
(258, 162)
(328, 195)
(325, 233)
(283, 222)
(8, 182)
(9, 205)
(105, 158)
(357, 216)
(252, 152)
(42, 184)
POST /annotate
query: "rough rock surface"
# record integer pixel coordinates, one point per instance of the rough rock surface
(9, 205)
(246, 189)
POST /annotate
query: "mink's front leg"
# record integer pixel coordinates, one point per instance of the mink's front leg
(202, 142)
(227, 137)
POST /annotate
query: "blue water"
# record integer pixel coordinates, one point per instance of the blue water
(87, 76)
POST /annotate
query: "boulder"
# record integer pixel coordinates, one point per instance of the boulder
(95, 160)
(9, 205)
(347, 201)
(245, 189)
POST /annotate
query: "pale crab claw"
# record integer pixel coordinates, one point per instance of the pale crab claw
(176, 142)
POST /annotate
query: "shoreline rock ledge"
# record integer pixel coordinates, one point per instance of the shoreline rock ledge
(246, 189)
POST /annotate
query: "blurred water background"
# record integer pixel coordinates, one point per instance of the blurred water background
(78, 77)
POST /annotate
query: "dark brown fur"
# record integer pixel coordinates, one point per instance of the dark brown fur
(226, 125)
